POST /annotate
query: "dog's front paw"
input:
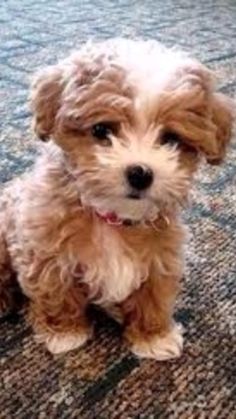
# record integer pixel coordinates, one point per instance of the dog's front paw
(161, 348)
(63, 342)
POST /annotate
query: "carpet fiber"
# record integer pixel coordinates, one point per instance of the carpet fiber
(104, 380)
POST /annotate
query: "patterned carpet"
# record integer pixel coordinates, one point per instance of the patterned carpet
(104, 380)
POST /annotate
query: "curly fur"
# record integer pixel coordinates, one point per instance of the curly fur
(64, 255)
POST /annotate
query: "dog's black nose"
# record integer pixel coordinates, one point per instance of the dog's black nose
(139, 177)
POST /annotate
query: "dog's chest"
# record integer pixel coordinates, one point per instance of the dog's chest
(115, 270)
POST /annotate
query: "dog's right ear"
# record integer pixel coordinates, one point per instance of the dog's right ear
(45, 100)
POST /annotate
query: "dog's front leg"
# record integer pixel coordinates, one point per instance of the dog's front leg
(149, 325)
(58, 308)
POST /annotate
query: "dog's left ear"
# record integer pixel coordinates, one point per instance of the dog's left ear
(217, 112)
(206, 116)
(45, 98)
(221, 111)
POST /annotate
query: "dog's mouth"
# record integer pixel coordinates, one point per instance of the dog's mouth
(134, 195)
(137, 195)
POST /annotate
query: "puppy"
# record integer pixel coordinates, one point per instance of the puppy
(97, 219)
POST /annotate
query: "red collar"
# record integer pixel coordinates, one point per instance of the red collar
(112, 218)
(161, 222)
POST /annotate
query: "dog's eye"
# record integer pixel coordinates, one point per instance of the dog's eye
(173, 139)
(102, 131)
(170, 137)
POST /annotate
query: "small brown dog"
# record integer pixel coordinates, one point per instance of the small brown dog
(97, 219)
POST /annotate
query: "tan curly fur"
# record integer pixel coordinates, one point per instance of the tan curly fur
(65, 255)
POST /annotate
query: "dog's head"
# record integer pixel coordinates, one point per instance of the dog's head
(132, 118)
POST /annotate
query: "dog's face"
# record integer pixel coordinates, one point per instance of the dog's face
(132, 119)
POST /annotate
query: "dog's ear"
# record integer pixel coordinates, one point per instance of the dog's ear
(45, 100)
(202, 117)
(221, 109)
(209, 115)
